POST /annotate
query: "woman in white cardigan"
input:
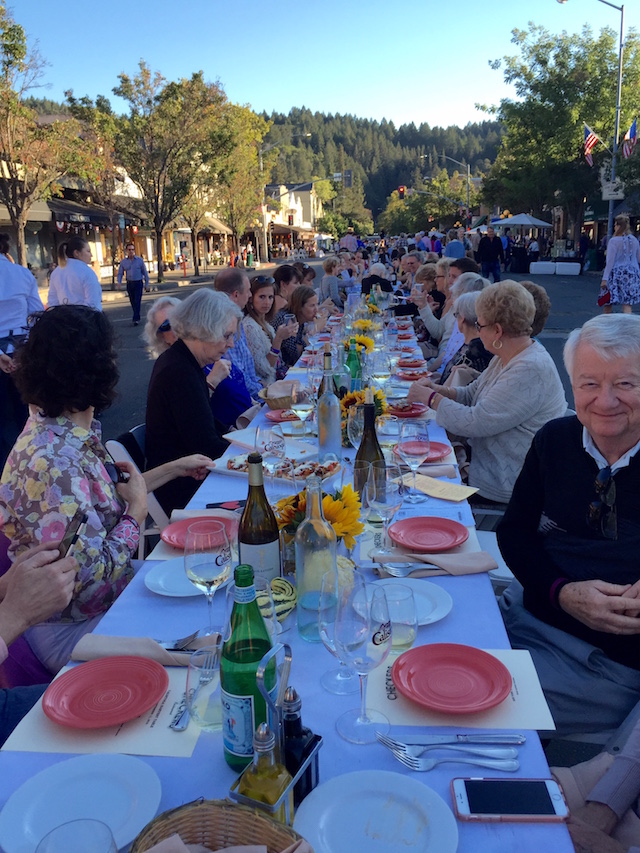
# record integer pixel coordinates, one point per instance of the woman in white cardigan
(262, 340)
(501, 411)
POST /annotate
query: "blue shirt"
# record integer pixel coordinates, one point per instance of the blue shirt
(135, 270)
(240, 356)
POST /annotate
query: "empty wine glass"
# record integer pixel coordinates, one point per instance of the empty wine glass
(413, 449)
(362, 637)
(355, 425)
(207, 560)
(388, 432)
(385, 493)
(270, 445)
(315, 372)
(340, 680)
(301, 404)
(280, 483)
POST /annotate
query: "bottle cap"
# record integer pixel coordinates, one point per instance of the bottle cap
(292, 702)
(264, 739)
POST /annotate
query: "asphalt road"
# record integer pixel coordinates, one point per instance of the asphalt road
(573, 302)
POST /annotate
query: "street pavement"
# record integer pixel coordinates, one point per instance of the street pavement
(573, 302)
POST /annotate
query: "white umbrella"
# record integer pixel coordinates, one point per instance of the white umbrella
(522, 219)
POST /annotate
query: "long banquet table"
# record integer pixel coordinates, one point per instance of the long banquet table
(474, 619)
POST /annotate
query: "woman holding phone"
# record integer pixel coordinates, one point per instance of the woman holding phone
(58, 465)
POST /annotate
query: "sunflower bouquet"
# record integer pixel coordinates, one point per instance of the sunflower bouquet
(341, 510)
(364, 326)
(356, 398)
(362, 343)
(373, 309)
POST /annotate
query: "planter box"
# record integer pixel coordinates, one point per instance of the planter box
(544, 268)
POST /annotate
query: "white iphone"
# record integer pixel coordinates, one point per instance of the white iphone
(537, 800)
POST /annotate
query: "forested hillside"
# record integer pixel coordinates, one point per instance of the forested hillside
(380, 154)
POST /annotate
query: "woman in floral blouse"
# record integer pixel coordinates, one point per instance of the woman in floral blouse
(66, 370)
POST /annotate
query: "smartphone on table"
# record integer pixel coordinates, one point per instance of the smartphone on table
(72, 532)
(503, 800)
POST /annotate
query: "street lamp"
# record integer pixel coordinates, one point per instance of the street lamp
(614, 153)
(262, 151)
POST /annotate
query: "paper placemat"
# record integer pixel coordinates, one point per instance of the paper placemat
(525, 707)
(147, 735)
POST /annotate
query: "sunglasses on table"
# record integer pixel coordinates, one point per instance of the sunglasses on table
(164, 327)
(601, 512)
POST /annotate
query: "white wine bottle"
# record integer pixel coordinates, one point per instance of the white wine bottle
(329, 420)
(258, 535)
(369, 450)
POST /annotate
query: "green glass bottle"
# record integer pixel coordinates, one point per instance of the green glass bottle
(355, 366)
(243, 707)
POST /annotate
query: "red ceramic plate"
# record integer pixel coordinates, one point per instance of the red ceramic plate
(404, 336)
(280, 415)
(437, 451)
(406, 349)
(176, 534)
(324, 338)
(428, 534)
(411, 362)
(452, 678)
(105, 692)
(413, 374)
(413, 410)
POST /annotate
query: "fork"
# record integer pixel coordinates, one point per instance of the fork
(416, 751)
(178, 645)
(422, 764)
(403, 570)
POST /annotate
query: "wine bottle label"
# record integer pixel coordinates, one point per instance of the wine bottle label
(238, 723)
(244, 594)
(265, 559)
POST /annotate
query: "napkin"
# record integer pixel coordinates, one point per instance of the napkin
(94, 646)
(174, 844)
(435, 470)
(281, 388)
(470, 563)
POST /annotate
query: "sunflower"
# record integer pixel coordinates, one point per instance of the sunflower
(362, 343)
(356, 398)
(363, 326)
(341, 510)
(373, 309)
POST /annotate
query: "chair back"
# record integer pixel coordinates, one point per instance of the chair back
(134, 443)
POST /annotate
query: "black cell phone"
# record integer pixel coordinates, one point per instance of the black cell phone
(72, 532)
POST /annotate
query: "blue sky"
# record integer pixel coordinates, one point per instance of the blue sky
(417, 60)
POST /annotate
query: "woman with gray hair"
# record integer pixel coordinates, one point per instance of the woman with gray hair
(157, 333)
(179, 415)
(468, 282)
(472, 358)
(509, 402)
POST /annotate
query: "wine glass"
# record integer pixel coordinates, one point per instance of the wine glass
(341, 680)
(355, 425)
(385, 493)
(270, 444)
(388, 432)
(207, 560)
(280, 483)
(413, 449)
(362, 636)
(379, 369)
(315, 372)
(302, 404)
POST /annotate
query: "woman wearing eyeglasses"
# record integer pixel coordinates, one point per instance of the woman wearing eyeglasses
(65, 371)
(501, 411)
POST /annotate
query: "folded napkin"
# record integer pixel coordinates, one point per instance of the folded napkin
(470, 563)
(174, 844)
(281, 388)
(434, 470)
(94, 646)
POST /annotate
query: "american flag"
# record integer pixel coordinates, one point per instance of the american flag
(590, 141)
(630, 140)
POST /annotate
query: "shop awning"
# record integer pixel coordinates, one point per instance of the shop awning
(75, 212)
(215, 226)
(39, 213)
(279, 228)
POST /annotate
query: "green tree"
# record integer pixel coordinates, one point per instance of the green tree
(173, 130)
(561, 82)
(240, 185)
(34, 155)
(333, 223)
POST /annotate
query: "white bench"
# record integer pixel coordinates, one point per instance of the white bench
(568, 268)
(543, 268)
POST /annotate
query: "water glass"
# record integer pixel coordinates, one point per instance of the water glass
(87, 835)
(404, 617)
(202, 694)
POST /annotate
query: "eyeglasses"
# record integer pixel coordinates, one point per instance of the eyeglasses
(115, 474)
(480, 326)
(264, 279)
(163, 327)
(456, 314)
(601, 513)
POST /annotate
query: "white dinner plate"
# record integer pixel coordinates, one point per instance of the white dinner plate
(120, 790)
(169, 578)
(376, 811)
(432, 602)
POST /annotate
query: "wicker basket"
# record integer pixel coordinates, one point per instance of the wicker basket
(275, 402)
(216, 824)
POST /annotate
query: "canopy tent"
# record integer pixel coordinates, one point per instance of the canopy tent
(522, 219)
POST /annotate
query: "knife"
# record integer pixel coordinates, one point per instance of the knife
(425, 740)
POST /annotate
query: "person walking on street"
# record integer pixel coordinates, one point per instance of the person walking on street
(73, 281)
(490, 254)
(137, 278)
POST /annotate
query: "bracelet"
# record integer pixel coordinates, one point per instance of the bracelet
(431, 396)
(130, 518)
(275, 351)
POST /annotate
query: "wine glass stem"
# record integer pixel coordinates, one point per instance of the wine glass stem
(210, 594)
(414, 489)
(363, 699)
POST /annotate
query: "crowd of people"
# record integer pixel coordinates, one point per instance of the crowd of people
(564, 481)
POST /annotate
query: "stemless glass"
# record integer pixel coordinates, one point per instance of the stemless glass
(86, 834)
(340, 680)
(388, 432)
(403, 615)
(413, 449)
(385, 493)
(207, 560)
(379, 369)
(203, 688)
(363, 640)
(302, 404)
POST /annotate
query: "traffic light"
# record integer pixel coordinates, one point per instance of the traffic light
(348, 179)
(291, 219)
(401, 191)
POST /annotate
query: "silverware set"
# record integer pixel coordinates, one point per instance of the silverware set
(468, 751)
